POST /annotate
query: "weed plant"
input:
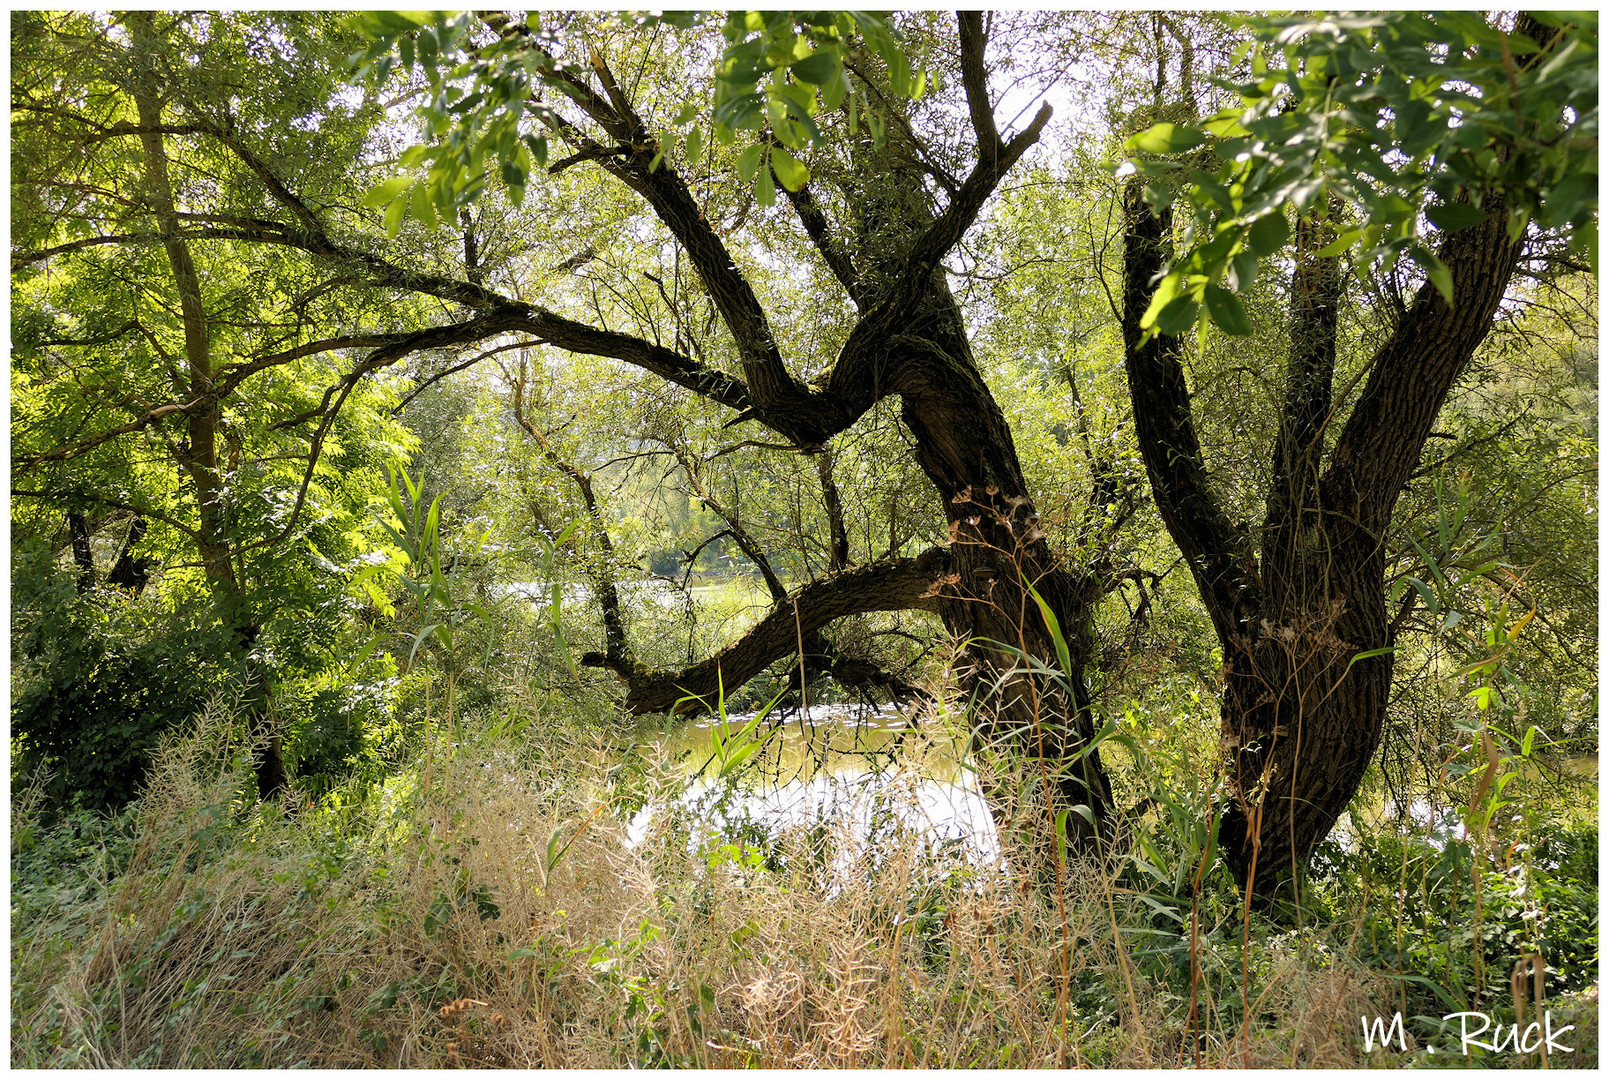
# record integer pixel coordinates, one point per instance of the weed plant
(486, 909)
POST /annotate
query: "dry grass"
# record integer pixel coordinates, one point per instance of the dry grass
(497, 917)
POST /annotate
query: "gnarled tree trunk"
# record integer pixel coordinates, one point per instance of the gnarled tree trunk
(1299, 608)
(909, 341)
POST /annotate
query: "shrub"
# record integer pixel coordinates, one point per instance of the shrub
(98, 680)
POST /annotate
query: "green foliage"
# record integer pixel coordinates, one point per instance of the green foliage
(335, 731)
(416, 530)
(1398, 117)
(98, 682)
(733, 746)
(348, 934)
(779, 70)
(64, 859)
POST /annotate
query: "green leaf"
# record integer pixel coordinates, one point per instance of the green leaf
(1369, 654)
(1341, 243)
(424, 208)
(817, 69)
(1455, 217)
(1226, 311)
(381, 194)
(419, 639)
(1063, 656)
(1166, 139)
(749, 161)
(1178, 315)
(764, 189)
(1225, 124)
(390, 23)
(1436, 270)
(1268, 233)
(1243, 271)
(1426, 594)
(514, 176)
(833, 93)
(538, 145)
(695, 144)
(1165, 294)
(393, 217)
(789, 169)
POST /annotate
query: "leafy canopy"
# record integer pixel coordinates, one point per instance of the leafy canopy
(1403, 119)
(779, 70)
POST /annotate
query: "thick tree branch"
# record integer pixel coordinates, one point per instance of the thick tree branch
(20, 259)
(233, 375)
(67, 453)
(672, 366)
(777, 397)
(1412, 373)
(975, 81)
(1293, 500)
(894, 585)
(838, 555)
(1165, 429)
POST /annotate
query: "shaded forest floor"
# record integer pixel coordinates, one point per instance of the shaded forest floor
(485, 909)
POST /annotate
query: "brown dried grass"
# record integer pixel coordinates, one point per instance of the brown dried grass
(351, 936)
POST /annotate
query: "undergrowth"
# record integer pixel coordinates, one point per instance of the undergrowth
(486, 909)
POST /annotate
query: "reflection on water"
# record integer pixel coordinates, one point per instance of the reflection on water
(1440, 820)
(840, 767)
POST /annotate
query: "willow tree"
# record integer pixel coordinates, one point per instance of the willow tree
(884, 207)
(1487, 132)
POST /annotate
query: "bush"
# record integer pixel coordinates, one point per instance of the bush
(98, 680)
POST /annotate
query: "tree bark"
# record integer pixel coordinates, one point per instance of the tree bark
(83, 554)
(130, 571)
(891, 585)
(1299, 610)
(200, 458)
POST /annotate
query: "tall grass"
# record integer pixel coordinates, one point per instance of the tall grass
(487, 911)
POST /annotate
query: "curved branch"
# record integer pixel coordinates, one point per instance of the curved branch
(233, 375)
(671, 366)
(20, 259)
(819, 230)
(892, 585)
(676, 442)
(67, 453)
(780, 399)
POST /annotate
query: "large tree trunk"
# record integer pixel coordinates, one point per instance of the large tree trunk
(909, 341)
(964, 446)
(200, 457)
(1304, 632)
